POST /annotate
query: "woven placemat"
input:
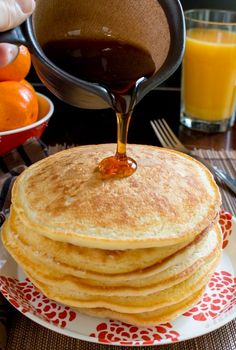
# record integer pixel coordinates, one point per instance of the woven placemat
(24, 334)
(27, 335)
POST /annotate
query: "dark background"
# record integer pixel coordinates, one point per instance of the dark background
(219, 4)
(76, 126)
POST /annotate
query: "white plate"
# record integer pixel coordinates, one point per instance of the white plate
(217, 307)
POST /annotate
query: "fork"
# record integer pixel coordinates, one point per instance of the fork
(168, 139)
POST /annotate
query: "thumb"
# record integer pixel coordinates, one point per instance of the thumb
(8, 53)
(14, 12)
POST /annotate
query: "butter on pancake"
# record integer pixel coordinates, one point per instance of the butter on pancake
(169, 199)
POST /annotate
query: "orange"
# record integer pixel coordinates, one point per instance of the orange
(18, 105)
(19, 68)
(27, 84)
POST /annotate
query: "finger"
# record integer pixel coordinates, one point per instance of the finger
(8, 53)
(14, 12)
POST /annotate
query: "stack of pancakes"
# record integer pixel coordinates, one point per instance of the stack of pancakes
(140, 249)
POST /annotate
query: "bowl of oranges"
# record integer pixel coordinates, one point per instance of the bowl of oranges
(24, 113)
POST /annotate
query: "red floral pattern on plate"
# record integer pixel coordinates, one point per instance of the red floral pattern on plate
(126, 334)
(226, 223)
(26, 298)
(220, 297)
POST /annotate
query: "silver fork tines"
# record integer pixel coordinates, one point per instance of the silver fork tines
(168, 139)
(166, 136)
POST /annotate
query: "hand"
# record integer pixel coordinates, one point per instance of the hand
(12, 13)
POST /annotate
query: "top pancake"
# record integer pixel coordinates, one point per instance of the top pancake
(170, 198)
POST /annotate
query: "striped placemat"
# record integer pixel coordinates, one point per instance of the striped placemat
(24, 334)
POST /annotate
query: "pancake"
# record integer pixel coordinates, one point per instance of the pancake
(145, 319)
(99, 261)
(171, 198)
(171, 271)
(66, 292)
(140, 249)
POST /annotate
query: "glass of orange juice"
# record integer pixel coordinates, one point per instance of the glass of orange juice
(208, 83)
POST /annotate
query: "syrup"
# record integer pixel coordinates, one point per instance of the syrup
(118, 66)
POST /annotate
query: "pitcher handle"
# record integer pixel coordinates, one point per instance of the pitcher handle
(14, 36)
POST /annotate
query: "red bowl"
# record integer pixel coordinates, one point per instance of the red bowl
(13, 138)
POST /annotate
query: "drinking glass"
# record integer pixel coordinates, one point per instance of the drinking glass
(208, 84)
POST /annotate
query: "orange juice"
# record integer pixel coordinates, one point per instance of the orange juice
(209, 74)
